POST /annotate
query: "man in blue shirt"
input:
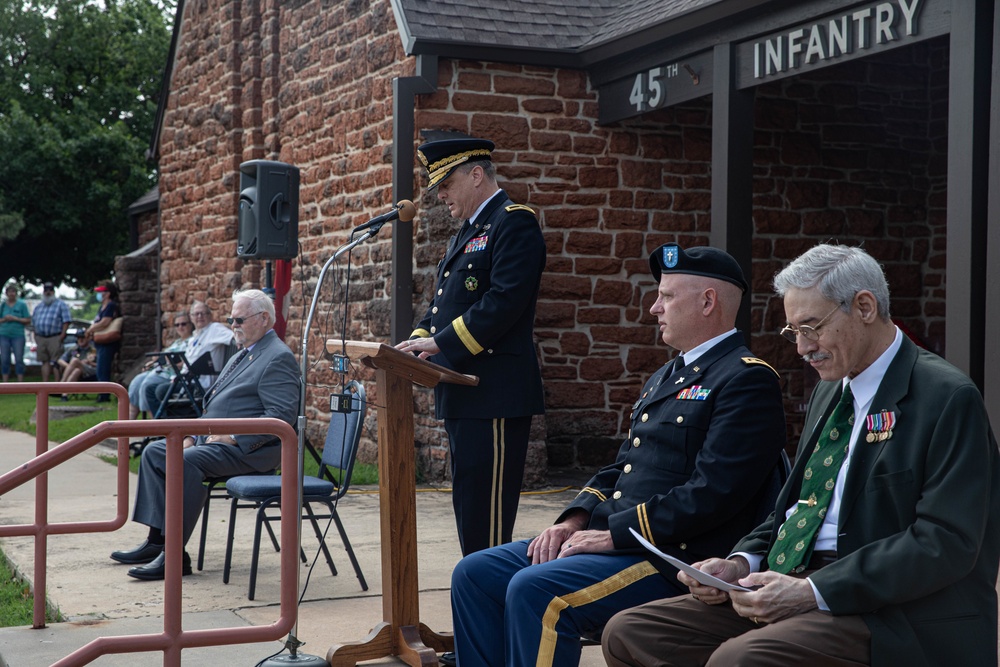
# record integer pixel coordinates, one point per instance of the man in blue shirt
(50, 320)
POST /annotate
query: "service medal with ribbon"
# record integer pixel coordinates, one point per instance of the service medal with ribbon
(471, 284)
(880, 426)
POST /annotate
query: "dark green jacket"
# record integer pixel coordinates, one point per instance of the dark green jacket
(920, 518)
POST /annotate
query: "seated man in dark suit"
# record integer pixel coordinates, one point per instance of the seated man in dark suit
(700, 466)
(884, 544)
(262, 380)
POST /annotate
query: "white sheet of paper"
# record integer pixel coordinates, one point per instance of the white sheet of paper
(698, 575)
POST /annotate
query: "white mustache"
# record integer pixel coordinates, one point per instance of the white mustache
(815, 356)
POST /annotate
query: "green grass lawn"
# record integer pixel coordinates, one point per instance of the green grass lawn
(16, 599)
(16, 411)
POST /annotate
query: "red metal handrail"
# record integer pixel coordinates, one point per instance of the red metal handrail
(173, 638)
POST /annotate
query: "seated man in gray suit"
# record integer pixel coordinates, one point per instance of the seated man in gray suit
(262, 380)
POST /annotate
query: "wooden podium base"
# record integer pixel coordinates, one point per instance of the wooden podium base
(400, 633)
(416, 646)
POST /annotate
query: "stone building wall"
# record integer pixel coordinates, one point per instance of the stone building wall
(136, 277)
(852, 153)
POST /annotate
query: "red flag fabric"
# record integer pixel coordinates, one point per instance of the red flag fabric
(282, 283)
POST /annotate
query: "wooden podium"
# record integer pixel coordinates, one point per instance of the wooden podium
(400, 633)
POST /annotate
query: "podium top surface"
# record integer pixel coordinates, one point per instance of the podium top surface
(387, 358)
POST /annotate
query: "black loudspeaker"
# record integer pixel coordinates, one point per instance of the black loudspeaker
(269, 211)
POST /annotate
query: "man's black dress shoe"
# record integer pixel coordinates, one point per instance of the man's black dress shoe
(448, 659)
(156, 570)
(144, 553)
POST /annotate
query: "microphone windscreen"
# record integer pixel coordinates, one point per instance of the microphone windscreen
(406, 210)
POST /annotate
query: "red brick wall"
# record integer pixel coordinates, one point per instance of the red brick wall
(137, 284)
(605, 198)
(305, 83)
(853, 153)
(848, 154)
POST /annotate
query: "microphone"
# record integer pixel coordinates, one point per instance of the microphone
(404, 210)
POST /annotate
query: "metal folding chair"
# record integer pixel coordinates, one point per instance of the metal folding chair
(264, 492)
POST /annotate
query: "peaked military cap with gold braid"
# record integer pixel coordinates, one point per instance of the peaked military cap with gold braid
(440, 158)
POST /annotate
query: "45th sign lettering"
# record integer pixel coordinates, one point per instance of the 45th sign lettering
(657, 87)
(649, 91)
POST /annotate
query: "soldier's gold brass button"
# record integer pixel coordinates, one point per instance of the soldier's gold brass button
(618, 494)
(636, 442)
(628, 468)
(680, 419)
(645, 417)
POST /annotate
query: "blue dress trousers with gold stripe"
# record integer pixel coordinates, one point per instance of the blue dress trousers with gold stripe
(482, 317)
(699, 469)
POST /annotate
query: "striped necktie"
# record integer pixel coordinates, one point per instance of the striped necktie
(229, 369)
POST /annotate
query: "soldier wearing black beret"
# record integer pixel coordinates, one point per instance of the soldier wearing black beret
(701, 463)
(480, 321)
(698, 261)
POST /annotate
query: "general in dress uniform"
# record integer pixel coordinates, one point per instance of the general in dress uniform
(480, 322)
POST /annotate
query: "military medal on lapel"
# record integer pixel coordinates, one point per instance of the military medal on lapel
(880, 426)
(477, 244)
(693, 393)
(471, 284)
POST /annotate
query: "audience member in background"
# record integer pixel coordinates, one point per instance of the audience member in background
(209, 337)
(260, 381)
(107, 295)
(50, 320)
(158, 372)
(13, 316)
(79, 364)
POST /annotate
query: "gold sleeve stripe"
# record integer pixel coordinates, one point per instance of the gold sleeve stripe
(590, 489)
(470, 343)
(590, 594)
(644, 522)
(761, 362)
(420, 333)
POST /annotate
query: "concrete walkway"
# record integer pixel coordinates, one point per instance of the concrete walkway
(97, 598)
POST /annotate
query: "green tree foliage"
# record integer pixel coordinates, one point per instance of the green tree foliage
(79, 84)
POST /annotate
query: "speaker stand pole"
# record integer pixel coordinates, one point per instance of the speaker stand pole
(268, 288)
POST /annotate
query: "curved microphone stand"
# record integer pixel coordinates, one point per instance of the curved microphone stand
(292, 644)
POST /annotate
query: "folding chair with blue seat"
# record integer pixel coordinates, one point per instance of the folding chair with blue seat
(337, 463)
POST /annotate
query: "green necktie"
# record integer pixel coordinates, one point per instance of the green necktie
(797, 535)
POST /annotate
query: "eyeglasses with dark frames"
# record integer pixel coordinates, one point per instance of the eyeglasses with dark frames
(792, 334)
(182, 324)
(241, 320)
